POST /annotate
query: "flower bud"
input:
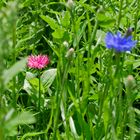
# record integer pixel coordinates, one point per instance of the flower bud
(130, 82)
(128, 32)
(69, 53)
(101, 10)
(70, 4)
(66, 44)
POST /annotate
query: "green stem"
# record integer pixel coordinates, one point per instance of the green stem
(120, 13)
(131, 113)
(89, 52)
(117, 97)
(14, 60)
(50, 121)
(57, 103)
(1, 84)
(77, 62)
(60, 96)
(64, 96)
(39, 92)
(136, 18)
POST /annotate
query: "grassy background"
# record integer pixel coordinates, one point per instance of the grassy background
(86, 93)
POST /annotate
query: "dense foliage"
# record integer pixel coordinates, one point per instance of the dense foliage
(69, 70)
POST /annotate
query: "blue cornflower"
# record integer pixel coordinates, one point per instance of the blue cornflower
(119, 43)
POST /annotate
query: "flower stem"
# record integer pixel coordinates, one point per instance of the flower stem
(130, 111)
(136, 18)
(39, 92)
(120, 13)
(14, 60)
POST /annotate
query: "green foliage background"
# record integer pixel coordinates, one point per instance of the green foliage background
(85, 91)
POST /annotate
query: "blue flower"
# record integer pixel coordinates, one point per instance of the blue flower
(119, 43)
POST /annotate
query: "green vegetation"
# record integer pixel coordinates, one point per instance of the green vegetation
(87, 91)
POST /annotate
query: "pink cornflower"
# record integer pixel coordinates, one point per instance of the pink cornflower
(38, 61)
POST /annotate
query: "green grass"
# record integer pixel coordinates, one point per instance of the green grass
(87, 92)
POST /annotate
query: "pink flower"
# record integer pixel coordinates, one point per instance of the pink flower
(38, 61)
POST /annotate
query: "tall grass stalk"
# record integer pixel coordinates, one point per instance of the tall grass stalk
(14, 61)
(61, 93)
(14, 92)
(136, 18)
(120, 13)
(78, 62)
(130, 85)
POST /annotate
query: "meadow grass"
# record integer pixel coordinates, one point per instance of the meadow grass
(89, 88)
